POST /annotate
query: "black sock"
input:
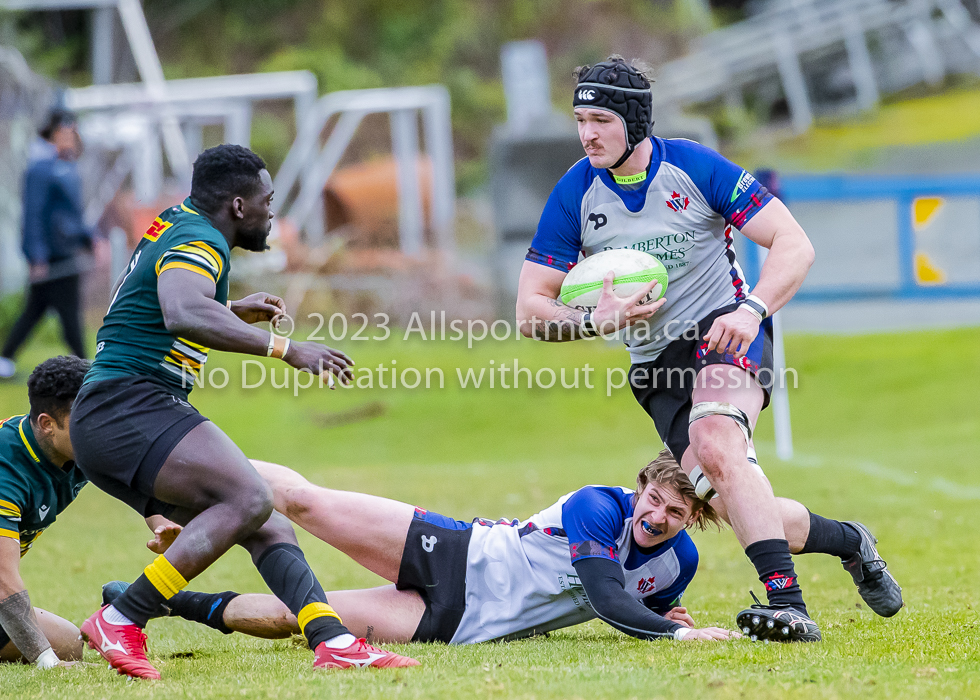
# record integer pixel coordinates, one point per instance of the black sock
(141, 602)
(831, 537)
(206, 608)
(775, 566)
(287, 574)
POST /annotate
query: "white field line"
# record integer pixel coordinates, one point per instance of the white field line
(950, 489)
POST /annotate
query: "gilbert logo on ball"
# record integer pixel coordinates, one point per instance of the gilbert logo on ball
(634, 269)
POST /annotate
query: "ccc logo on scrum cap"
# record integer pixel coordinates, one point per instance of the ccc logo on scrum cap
(584, 94)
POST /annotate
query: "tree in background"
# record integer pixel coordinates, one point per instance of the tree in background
(372, 43)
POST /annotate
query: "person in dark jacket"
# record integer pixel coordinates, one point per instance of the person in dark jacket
(54, 234)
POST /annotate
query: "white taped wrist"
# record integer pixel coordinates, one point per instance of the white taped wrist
(278, 346)
(757, 300)
(752, 310)
(682, 632)
(47, 659)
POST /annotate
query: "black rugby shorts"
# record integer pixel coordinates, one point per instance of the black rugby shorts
(664, 386)
(434, 565)
(122, 431)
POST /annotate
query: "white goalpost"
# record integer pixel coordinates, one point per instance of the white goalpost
(779, 397)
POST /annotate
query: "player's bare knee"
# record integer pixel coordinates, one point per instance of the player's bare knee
(68, 648)
(299, 501)
(62, 635)
(256, 507)
(716, 451)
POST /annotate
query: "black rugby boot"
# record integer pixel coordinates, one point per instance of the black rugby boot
(875, 583)
(776, 623)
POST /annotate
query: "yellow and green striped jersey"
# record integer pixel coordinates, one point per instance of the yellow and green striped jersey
(33, 491)
(133, 340)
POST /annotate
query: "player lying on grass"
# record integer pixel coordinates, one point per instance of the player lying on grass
(38, 480)
(602, 551)
(136, 436)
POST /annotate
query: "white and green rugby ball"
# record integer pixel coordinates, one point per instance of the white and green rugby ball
(634, 269)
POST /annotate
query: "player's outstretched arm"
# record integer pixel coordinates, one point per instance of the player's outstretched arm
(605, 585)
(542, 316)
(19, 619)
(190, 312)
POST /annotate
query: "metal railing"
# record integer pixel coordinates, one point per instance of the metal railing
(773, 42)
(308, 166)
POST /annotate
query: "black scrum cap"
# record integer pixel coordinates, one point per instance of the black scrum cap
(617, 87)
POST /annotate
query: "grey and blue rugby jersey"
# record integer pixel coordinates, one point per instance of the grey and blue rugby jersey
(683, 213)
(521, 578)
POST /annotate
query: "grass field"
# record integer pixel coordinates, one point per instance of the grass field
(856, 142)
(886, 430)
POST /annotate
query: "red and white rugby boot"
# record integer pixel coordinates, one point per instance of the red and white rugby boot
(123, 646)
(358, 655)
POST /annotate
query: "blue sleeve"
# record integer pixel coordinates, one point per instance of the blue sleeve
(729, 190)
(593, 520)
(558, 240)
(604, 583)
(687, 555)
(35, 243)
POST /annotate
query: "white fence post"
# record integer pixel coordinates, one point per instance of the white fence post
(405, 144)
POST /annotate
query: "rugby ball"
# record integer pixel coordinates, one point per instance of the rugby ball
(634, 269)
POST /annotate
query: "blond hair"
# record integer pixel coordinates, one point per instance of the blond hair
(665, 470)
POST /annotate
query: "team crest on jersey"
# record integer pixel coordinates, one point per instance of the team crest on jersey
(678, 202)
(645, 585)
(156, 228)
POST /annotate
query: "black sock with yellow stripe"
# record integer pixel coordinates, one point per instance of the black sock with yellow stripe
(290, 578)
(144, 599)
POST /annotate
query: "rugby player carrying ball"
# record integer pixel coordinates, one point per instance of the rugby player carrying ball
(702, 356)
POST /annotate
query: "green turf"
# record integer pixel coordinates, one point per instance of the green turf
(856, 142)
(886, 432)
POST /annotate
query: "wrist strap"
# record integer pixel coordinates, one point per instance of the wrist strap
(278, 346)
(281, 346)
(759, 305)
(586, 327)
(752, 310)
(682, 632)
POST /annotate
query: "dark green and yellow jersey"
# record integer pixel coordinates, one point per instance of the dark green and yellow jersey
(33, 491)
(133, 340)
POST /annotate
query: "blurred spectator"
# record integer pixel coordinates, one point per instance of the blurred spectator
(55, 236)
